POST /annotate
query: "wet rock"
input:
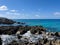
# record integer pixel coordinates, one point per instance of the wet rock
(20, 23)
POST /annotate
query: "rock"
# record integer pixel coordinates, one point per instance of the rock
(37, 29)
(13, 43)
(8, 29)
(6, 21)
(23, 29)
(0, 41)
(20, 23)
(57, 34)
(33, 31)
(45, 41)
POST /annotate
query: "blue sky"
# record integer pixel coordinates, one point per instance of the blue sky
(30, 9)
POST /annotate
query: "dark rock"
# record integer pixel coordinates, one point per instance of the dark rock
(6, 21)
(39, 32)
(52, 34)
(8, 29)
(23, 32)
(24, 29)
(0, 41)
(57, 34)
(19, 36)
(50, 43)
(33, 31)
(37, 29)
(20, 23)
(45, 41)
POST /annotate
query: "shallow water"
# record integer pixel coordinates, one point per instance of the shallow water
(51, 24)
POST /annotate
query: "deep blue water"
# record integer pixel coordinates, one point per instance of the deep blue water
(50, 24)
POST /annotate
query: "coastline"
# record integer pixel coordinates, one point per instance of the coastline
(27, 35)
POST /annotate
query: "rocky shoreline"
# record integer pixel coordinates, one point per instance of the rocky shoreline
(26, 35)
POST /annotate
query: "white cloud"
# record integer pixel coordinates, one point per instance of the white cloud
(15, 14)
(11, 13)
(37, 15)
(13, 10)
(3, 8)
(57, 13)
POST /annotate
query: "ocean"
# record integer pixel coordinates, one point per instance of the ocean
(52, 25)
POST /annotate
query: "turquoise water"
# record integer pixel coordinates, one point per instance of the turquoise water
(50, 24)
